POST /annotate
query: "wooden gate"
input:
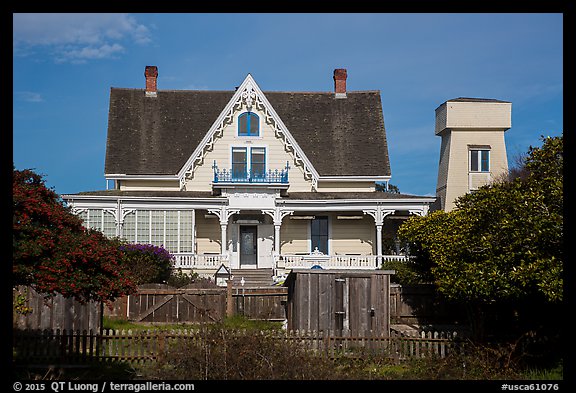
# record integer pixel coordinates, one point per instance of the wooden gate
(343, 302)
(163, 303)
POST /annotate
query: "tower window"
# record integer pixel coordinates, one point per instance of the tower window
(480, 160)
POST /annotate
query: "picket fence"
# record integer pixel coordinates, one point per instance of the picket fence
(76, 347)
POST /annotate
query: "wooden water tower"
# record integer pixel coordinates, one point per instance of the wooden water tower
(473, 150)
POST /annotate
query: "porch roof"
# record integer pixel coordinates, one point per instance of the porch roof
(350, 195)
(147, 194)
(291, 196)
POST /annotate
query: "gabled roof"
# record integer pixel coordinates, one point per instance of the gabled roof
(341, 137)
(157, 135)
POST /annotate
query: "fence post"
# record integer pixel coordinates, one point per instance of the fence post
(229, 299)
(63, 338)
(161, 345)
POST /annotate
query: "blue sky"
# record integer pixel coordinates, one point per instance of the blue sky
(65, 64)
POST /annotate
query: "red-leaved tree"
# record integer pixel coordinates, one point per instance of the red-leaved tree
(53, 252)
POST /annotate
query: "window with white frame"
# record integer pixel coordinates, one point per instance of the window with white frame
(129, 227)
(479, 160)
(169, 228)
(142, 226)
(185, 228)
(100, 220)
(157, 227)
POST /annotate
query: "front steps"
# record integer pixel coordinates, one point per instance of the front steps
(252, 277)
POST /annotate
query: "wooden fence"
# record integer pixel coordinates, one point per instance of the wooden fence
(398, 346)
(163, 303)
(77, 347)
(421, 304)
(56, 312)
(416, 304)
(266, 303)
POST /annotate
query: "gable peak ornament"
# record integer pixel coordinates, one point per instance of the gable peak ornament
(249, 96)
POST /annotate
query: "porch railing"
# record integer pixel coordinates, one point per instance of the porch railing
(307, 261)
(289, 261)
(199, 261)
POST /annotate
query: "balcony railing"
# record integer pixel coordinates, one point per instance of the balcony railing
(274, 176)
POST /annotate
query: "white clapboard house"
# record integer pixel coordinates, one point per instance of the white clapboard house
(254, 180)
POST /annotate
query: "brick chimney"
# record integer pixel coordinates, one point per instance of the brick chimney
(340, 76)
(151, 74)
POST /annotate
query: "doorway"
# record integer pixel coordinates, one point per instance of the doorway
(248, 245)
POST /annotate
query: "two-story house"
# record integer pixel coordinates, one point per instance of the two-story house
(251, 179)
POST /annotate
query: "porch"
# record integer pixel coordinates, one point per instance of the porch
(257, 229)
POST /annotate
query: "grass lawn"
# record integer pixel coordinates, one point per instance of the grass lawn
(235, 322)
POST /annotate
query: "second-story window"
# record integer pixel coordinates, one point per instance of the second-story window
(248, 124)
(257, 162)
(239, 163)
(248, 163)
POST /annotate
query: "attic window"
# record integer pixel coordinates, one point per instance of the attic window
(248, 124)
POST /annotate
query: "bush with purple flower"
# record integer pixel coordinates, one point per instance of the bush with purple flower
(147, 263)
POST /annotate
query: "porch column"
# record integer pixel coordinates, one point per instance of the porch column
(379, 243)
(223, 228)
(194, 231)
(378, 213)
(277, 215)
(277, 238)
(224, 214)
(118, 217)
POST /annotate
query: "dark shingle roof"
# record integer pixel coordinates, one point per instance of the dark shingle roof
(156, 136)
(341, 137)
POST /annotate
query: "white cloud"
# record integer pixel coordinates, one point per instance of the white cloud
(89, 53)
(77, 37)
(29, 96)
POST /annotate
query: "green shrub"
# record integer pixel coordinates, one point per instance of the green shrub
(179, 279)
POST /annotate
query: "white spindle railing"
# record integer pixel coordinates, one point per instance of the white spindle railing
(199, 261)
(389, 258)
(291, 261)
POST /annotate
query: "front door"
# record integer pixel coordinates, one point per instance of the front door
(248, 245)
